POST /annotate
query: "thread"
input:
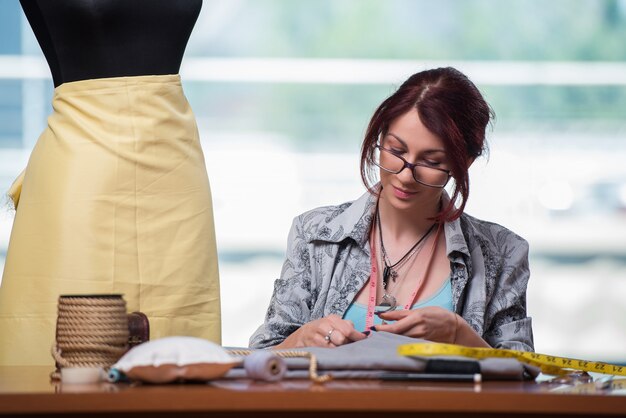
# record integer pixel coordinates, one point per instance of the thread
(92, 331)
(264, 365)
(81, 375)
(292, 354)
(116, 375)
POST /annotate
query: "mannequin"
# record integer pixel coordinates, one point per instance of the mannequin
(87, 39)
(115, 198)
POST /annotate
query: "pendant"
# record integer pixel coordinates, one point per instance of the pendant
(386, 273)
(389, 303)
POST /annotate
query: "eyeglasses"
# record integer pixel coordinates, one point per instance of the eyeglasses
(422, 173)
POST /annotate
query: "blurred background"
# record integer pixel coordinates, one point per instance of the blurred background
(283, 91)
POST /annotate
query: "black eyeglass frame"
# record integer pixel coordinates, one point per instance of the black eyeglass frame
(411, 167)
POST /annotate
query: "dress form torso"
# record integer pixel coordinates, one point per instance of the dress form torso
(115, 198)
(89, 39)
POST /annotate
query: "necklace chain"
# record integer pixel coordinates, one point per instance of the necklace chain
(391, 269)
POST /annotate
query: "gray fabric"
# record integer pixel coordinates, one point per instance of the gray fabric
(328, 262)
(507, 369)
(378, 353)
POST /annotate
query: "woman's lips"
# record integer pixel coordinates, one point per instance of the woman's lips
(403, 194)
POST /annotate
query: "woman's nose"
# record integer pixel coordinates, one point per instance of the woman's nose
(406, 175)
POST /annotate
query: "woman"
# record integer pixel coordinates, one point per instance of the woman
(115, 197)
(405, 258)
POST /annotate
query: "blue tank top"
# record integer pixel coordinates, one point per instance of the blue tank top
(356, 312)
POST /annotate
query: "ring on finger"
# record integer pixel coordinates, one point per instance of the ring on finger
(327, 336)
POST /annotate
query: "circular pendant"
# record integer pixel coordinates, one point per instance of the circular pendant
(388, 302)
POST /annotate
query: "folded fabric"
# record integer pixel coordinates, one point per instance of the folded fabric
(377, 354)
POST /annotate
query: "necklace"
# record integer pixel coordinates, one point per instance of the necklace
(390, 270)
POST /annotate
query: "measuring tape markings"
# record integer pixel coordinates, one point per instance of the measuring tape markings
(547, 363)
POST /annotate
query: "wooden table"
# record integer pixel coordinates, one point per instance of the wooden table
(28, 391)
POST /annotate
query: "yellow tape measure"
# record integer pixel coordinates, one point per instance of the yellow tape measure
(547, 364)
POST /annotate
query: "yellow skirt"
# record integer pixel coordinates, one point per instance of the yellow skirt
(115, 199)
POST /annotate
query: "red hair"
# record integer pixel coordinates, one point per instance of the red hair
(451, 107)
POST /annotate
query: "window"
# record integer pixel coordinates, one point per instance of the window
(293, 84)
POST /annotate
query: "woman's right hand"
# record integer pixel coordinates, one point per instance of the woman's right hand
(314, 333)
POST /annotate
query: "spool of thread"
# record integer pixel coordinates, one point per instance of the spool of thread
(264, 365)
(81, 375)
(116, 375)
(92, 331)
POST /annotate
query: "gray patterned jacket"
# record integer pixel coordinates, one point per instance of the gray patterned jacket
(328, 262)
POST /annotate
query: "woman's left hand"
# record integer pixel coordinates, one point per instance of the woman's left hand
(432, 323)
